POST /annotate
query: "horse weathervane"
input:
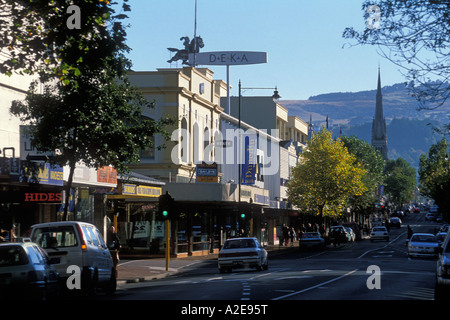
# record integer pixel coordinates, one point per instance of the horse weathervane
(189, 47)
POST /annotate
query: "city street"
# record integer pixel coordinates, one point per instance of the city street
(345, 272)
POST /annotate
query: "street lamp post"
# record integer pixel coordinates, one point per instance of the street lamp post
(275, 97)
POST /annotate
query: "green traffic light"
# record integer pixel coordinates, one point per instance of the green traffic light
(165, 213)
(242, 215)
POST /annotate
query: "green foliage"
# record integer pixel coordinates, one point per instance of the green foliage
(83, 105)
(326, 177)
(400, 181)
(373, 164)
(434, 176)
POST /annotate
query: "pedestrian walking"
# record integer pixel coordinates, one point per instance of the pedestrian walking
(410, 232)
(292, 235)
(114, 246)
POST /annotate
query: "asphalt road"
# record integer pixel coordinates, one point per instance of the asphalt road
(355, 271)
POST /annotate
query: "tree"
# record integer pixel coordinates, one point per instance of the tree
(415, 36)
(87, 109)
(400, 181)
(326, 177)
(373, 163)
(434, 176)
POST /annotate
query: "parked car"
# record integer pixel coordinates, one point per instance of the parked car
(350, 234)
(311, 240)
(431, 216)
(242, 253)
(423, 245)
(379, 233)
(355, 228)
(440, 237)
(338, 235)
(395, 222)
(81, 244)
(26, 272)
(442, 288)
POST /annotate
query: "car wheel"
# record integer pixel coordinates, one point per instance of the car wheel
(440, 292)
(111, 286)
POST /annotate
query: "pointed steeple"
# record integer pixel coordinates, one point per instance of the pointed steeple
(379, 134)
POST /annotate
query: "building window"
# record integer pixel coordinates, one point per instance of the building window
(149, 153)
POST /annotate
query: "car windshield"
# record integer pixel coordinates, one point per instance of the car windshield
(423, 238)
(379, 229)
(55, 237)
(239, 243)
(12, 256)
(310, 235)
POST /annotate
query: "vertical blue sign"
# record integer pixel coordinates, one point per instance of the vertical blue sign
(248, 174)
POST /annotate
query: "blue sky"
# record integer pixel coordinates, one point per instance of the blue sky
(306, 52)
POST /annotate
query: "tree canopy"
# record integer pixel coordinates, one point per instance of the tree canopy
(326, 177)
(373, 163)
(83, 103)
(414, 35)
(434, 176)
(400, 181)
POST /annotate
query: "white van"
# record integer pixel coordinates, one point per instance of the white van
(75, 243)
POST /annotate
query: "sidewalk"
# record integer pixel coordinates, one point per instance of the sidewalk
(147, 267)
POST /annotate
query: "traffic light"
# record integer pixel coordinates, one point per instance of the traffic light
(243, 215)
(166, 206)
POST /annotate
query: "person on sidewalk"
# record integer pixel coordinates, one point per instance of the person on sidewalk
(114, 246)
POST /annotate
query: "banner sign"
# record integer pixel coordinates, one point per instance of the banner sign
(139, 190)
(248, 175)
(228, 58)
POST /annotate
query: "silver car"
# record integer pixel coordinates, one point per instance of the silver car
(25, 272)
(312, 240)
(423, 245)
(379, 233)
(242, 253)
(442, 288)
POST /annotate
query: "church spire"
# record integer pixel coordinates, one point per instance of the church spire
(379, 134)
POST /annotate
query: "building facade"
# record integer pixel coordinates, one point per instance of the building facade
(248, 161)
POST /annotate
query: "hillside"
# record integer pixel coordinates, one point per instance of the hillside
(410, 132)
(359, 107)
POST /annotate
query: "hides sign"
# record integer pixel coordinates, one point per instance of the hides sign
(42, 197)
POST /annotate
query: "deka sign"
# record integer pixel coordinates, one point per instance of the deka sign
(228, 58)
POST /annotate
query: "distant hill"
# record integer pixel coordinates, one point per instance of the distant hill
(407, 138)
(359, 107)
(410, 132)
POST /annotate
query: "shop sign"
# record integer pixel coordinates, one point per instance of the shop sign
(42, 196)
(107, 175)
(262, 199)
(207, 172)
(139, 190)
(51, 175)
(228, 58)
(42, 173)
